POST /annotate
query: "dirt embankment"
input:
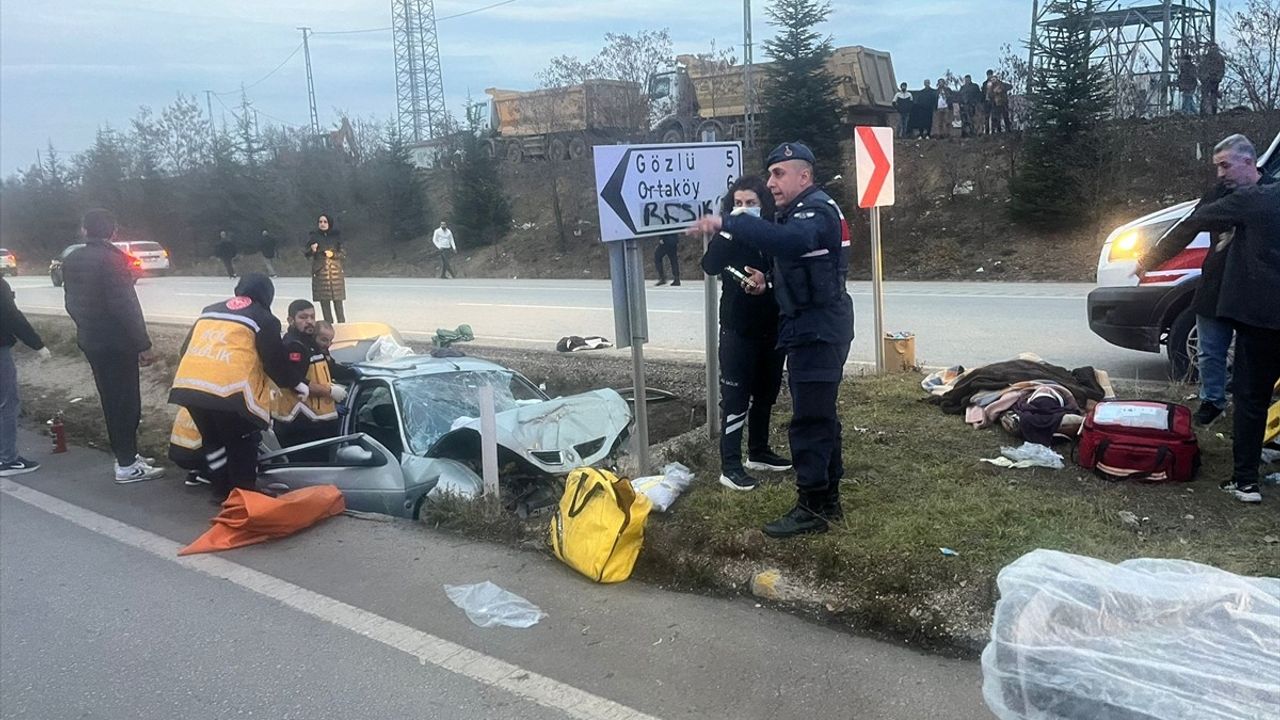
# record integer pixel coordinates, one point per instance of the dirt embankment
(949, 223)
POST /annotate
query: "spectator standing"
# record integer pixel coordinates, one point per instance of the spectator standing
(970, 99)
(668, 247)
(1000, 120)
(902, 102)
(924, 103)
(225, 250)
(988, 106)
(328, 279)
(1212, 68)
(1187, 83)
(13, 327)
(942, 112)
(112, 333)
(442, 238)
(267, 246)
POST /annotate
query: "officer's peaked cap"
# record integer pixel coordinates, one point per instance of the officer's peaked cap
(790, 151)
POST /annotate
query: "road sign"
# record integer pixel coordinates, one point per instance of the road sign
(873, 148)
(648, 190)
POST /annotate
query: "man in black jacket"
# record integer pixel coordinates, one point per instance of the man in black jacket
(13, 327)
(112, 334)
(1236, 162)
(1249, 299)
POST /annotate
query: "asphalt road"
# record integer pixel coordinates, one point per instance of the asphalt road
(955, 323)
(349, 619)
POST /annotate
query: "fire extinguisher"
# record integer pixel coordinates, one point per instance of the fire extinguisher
(58, 433)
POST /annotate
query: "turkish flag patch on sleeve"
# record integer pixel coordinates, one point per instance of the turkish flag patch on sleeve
(295, 357)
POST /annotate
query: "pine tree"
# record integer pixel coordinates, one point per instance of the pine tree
(481, 213)
(799, 100)
(1063, 147)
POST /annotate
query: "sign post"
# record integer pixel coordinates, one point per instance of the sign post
(648, 191)
(873, 148)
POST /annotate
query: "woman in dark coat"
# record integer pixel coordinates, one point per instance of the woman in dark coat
(328, 282)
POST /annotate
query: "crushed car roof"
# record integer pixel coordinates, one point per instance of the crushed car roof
(414, 365)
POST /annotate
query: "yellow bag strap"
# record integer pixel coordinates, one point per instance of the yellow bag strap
(577, 493)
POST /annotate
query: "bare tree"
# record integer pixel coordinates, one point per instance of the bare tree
(1253, 59)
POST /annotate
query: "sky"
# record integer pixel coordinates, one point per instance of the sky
(68, 67)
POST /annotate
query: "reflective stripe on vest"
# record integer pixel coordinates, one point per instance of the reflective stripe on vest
(222, 361)
(286, 405)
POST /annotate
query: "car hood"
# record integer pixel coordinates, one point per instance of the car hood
(554, 436)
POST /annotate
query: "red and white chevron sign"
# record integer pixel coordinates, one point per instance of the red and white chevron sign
(873, 148)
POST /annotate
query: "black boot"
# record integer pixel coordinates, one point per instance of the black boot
(832, 510)
(799, 520)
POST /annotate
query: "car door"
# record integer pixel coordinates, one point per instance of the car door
(366, 472)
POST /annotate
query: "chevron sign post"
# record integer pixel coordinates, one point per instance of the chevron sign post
(873, 150)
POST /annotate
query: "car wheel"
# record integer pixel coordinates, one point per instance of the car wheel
(1183, 342)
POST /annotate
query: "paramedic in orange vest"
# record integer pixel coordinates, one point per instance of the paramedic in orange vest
(299, 419)
(230, 360)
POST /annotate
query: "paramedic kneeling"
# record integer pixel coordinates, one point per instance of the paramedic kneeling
(229, 361)
(809, 249)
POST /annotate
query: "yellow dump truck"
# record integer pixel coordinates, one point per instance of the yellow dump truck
(564, 121)
(704, 101)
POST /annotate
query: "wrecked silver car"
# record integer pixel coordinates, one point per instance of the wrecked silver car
(410, 433)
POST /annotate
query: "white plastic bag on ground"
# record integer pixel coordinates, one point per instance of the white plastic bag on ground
(487, 605)
(662, 490)
(1075, 637)
(1027, 455)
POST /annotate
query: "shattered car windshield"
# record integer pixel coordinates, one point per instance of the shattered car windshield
(432, 404)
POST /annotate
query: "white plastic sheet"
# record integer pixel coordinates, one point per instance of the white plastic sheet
(662, 490)
(487, 605)
(1027, 455)
(1075, 637)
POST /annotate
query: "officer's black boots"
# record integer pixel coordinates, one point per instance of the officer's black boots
(801, 519)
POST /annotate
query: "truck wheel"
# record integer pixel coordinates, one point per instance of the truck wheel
(1182, 343)
(577, 148)
(556, 149)
(672, 135)
(710, 131)
(491, 148)
(515, 153)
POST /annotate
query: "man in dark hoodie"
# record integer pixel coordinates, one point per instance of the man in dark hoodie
(112, 333)
(13, 327)
(230, 359)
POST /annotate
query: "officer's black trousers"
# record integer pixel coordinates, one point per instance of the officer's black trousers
(230, 448)
(1256, 371)
(116, 375)
(750, 378)
(814, 374)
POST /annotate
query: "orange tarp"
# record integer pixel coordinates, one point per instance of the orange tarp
(248, 517)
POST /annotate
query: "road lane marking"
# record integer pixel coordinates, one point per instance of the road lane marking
(560, 307)
(426, 648)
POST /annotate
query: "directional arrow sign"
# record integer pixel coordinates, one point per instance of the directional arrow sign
(873, 147)
(646, 190)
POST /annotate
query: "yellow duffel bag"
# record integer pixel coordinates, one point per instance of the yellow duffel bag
(599, 526)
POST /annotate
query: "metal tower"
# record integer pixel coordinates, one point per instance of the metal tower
(419, 88)
(311, 83)
(1139, 42)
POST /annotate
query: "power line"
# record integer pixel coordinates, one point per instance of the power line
(262, 79)
(439, 19)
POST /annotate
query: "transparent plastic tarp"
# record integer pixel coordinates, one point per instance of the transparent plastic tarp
(1075, 637)
(488, 605)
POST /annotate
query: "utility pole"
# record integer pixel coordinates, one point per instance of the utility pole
(311, 83)
(748, 88)
(208, 103)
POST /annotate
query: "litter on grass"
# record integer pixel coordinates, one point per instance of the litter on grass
(662, 490)
(1027, 455)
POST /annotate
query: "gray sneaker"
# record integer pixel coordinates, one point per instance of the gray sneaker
(19, 466)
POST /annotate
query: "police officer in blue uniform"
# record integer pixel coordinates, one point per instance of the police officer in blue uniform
(809, 247)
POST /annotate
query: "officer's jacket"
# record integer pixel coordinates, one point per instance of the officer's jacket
(810, 249)
(230, 359)
(287, 406)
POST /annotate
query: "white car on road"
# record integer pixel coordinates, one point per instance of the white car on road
(148, 258)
